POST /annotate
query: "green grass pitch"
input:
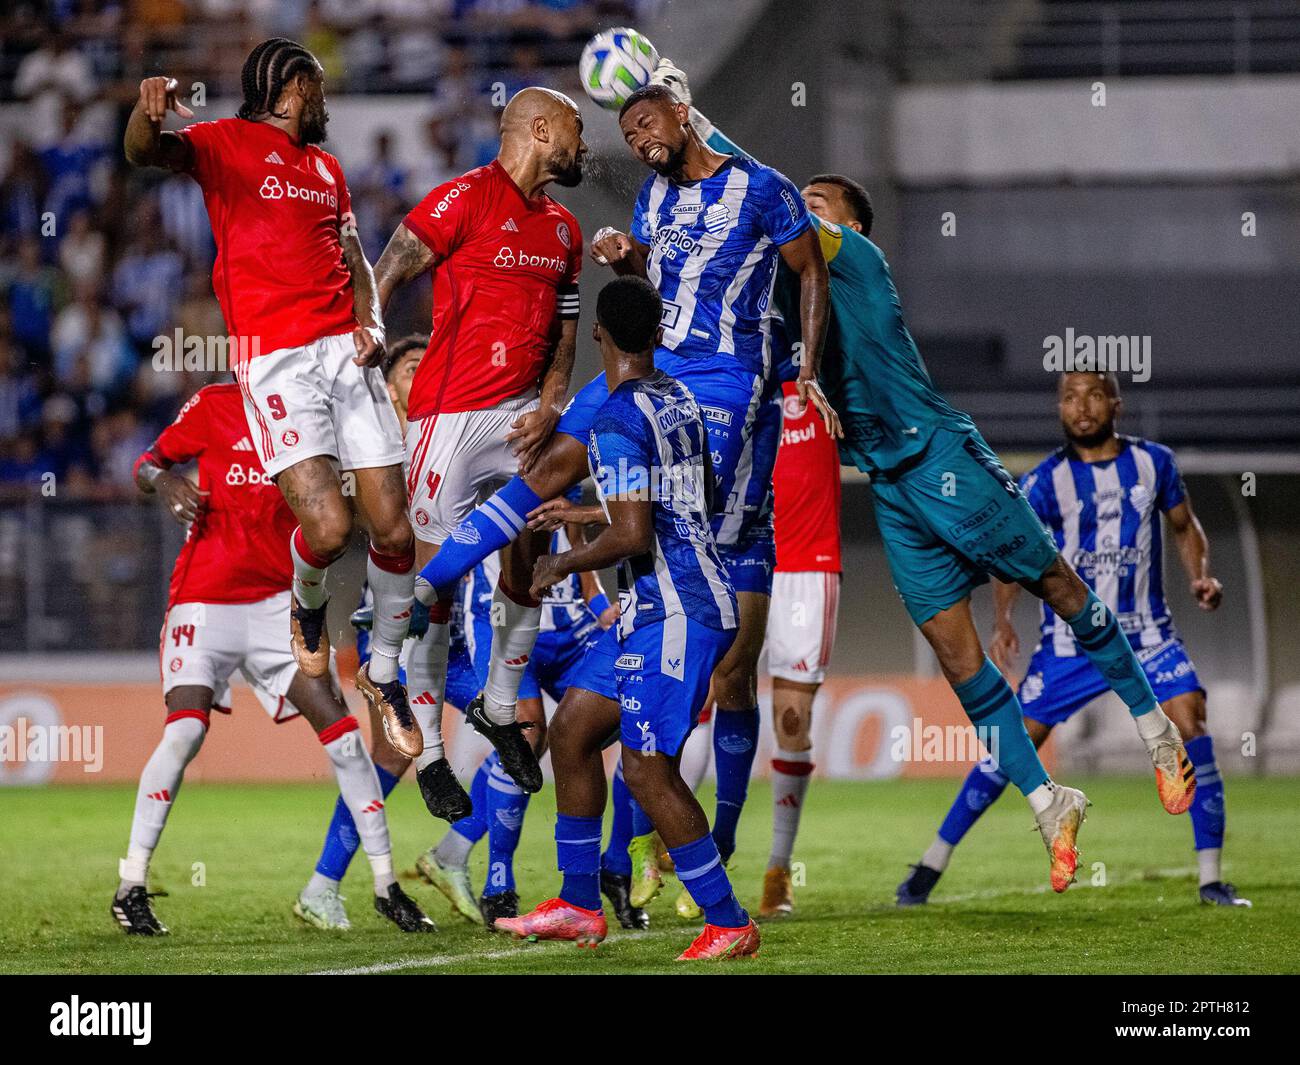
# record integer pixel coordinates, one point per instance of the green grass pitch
(991, 913)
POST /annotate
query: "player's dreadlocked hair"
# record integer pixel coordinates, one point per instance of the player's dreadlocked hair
(269, 67)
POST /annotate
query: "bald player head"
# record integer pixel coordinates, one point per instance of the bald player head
(545, 127)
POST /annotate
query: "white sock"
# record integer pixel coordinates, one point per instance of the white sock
(1209, 862)
(1041, 797)
(1153, 725)
(791, 772)
(159, 784)
(426, 678)
(453, 849)
(308, 576)
(359, 786)
(937, 855)
(319, 882)
(392, 585)
(514, 631)
(697, 753)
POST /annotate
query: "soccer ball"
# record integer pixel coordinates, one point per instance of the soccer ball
(615, 64)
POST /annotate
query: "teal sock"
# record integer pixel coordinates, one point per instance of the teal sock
(994, 709)
(1104, 642)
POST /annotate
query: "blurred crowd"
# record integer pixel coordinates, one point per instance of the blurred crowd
(98, 260)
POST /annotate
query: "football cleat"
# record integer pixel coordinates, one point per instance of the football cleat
(517, 756)
(778, 894)
(308, 639)
(719, 944)
(401, 909)
(647, 881)
(557, 919)
(453, 882)
(134, 912)
(915, 890)
(323, 909)
(506, 904)
(1175, 777)
(389, 698)
(1059, 827)
(442, 792)
(1221, 893)
(686, 908)
(617, 888)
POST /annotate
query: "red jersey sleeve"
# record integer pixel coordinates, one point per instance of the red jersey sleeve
(445, 217)
(186, 438)
(203, 139)
(566, 305)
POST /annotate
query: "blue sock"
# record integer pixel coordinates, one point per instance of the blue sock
(1207, 807)
(616, 859)
(735, 742)
(641, 823)
(994, 709)
(341, 840)
(699, 868)
(979, 791)
(577, 851)
(475, 826)
(1104, 642)
(507, 803)
(492, 525)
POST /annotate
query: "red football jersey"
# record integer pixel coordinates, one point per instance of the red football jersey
(238, 549)
(275, 209)
(806, 492)
(506, 268)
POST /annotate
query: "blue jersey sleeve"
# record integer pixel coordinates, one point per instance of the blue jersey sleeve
(1170, 490)
(640, 229)
(1037, 487)
(783, 212)
(624, 451)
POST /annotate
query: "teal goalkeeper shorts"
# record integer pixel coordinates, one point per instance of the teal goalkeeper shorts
(953, 520)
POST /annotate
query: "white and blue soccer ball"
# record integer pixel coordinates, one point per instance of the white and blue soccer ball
(614, 64)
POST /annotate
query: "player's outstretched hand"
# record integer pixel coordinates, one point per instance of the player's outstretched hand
(609, 246)
(369, 343)
(1003, 649)
(546, 572)
(1208, 592)
(555, 513)
(181, 496)
(529, 434)
(158, 96)
(811, 392)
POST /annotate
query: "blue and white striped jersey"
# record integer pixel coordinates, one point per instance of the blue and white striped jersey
(1105, 518)
(648, 441)
(713, 254)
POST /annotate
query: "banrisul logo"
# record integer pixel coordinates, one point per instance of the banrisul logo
(74, 1017)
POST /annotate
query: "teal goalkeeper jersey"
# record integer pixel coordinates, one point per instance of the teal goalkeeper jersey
(871, 370)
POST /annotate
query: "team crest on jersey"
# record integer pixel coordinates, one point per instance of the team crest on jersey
(289, 438)
(562, 231)
(1140, 496)
(323, 170)
(790, 407)
(717, 218)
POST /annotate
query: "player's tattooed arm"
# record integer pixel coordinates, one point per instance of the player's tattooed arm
(368, 337)
(406, 257)
(803, 255)
(530, 432)
(181, 496)
(1194, 550)
(145, 142)
(1005, 644)
(630, 532)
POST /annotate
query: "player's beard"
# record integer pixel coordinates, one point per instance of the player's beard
(1096, 438)
(568, 172)
(314, 120)
(671, 162)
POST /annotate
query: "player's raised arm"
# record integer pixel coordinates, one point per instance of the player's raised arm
(803, 255)
(145, 142)
(1194, 550)
(622, 253)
